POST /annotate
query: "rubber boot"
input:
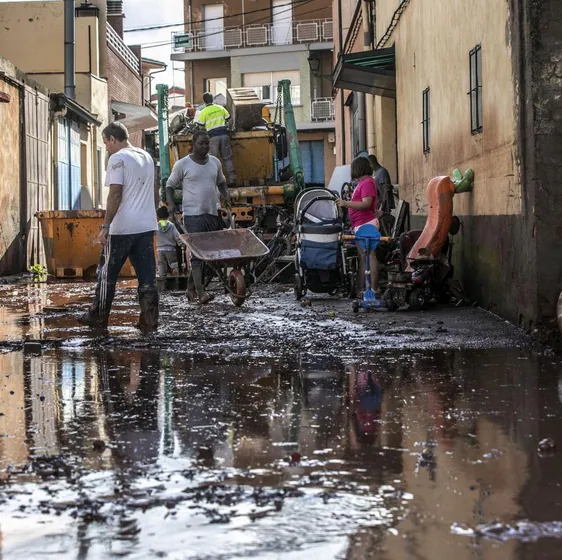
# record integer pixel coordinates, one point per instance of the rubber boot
(148, 300)
(197, 274)
(161, 284)
(190, 292)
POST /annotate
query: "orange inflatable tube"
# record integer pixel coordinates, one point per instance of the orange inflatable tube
(440, 192)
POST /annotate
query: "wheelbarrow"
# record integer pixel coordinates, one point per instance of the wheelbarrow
(227, 252)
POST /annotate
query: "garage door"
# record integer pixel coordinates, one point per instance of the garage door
(312, 156)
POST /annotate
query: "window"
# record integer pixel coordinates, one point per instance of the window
(265, 84)
(476, 89)
(216, 86)
(425, 120)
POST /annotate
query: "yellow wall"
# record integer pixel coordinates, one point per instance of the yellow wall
(432, 51)
(42, 25)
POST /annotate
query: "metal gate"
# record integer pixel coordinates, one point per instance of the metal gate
(68, 165)
(38, 169)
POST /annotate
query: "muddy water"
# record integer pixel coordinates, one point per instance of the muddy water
(424, 455)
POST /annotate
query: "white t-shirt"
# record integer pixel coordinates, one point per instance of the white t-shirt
(134, 169)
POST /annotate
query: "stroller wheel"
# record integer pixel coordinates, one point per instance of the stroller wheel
(299, 292)
(355, 306)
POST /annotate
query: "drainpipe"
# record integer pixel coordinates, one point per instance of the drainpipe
(369, 98)
(361, 128)
(102, 35)
(342, 101)
(69, 50)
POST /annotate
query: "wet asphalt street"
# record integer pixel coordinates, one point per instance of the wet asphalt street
(275, 430)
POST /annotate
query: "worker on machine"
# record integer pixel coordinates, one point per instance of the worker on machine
(213, 118)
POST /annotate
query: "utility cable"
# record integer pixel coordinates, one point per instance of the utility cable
(166, 25)
(220, 32)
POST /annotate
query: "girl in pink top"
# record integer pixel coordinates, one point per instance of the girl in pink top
(362, 210)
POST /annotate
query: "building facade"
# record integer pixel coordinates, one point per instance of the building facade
(241, 44)
(480, 96)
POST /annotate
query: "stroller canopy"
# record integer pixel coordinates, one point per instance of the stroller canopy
(316, 206)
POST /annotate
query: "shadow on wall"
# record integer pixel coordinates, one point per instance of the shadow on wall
(13, 260)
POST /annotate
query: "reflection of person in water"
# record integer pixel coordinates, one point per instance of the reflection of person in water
(366, 395)
(130, 396)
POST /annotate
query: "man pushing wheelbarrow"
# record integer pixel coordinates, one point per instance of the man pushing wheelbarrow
(225, 252)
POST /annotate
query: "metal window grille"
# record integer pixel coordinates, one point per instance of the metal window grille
(476, 90)
(425, 120)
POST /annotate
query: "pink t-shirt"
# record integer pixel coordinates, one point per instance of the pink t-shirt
(366, 187)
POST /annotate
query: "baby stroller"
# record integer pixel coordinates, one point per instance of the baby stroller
(320, 262)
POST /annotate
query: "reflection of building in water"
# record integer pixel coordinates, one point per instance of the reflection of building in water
(13, 449)
(474, 462)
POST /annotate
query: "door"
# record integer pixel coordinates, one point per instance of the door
(75, 165)
(38, 169)
(213, 34)
(63, 166)
(312, 156)
(68, 165)
(282, 28)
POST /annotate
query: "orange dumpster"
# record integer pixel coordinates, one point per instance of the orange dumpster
(70, 238)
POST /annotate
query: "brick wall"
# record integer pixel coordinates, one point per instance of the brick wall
(123, 85)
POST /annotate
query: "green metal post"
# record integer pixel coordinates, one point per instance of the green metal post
(163, 138)
(284, 86)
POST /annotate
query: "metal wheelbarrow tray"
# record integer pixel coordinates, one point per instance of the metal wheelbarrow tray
(228, 249)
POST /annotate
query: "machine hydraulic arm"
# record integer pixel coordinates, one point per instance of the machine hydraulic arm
(295, 162)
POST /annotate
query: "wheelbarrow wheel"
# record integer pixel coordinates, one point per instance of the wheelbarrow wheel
(237, 285)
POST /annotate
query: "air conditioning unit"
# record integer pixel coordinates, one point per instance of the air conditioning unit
(308, 32)
(322, 110)
(256, 36)
(328, 30)
(232, 38)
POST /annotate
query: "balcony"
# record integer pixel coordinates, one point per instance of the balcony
(119, 47)
(322, 109)
(266, 35)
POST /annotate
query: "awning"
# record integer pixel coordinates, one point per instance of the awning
(75, 111)
(137, 117)
(368, 71)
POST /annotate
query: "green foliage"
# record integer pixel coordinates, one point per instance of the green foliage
(38, 270)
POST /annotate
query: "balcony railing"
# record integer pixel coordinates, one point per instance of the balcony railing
(128, 56)
(322, 109)
(266, 35)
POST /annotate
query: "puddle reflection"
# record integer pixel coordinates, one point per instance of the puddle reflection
(439, 440)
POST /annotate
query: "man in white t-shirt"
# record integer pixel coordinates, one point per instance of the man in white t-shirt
(128, 229)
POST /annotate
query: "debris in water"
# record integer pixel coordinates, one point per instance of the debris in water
(547, 446)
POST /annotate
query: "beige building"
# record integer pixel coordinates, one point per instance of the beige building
(444, 84)
(78, 150)
(236, 44)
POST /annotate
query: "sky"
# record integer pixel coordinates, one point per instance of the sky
(140, 13)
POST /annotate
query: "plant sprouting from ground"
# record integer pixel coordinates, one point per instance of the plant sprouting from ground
(38, 270)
